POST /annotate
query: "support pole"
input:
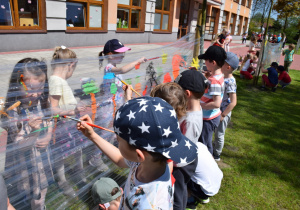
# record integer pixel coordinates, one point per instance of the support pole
(197, 36)
(255, 80)
(202, 31)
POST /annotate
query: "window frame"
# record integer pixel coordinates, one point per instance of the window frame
(142, 18)
(232, 25)
(16, 28)
(163, 12)
(87, 28)
(245, 23)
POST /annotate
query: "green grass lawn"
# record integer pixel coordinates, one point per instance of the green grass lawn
(260, 160)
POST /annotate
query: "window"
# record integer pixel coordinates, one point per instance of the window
(245, 25)
(131, 15)
(248, 3)
(224, 19)
(232, 23)
(86, 15)
(239, 25)
(163, 15)
(22, 15)
(210, 20)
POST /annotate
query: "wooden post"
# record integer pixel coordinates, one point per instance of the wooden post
(197, 36)
(255, 80)
(202, 32)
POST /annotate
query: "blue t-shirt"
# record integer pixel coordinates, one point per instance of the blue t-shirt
(273, 75)
(278, 39)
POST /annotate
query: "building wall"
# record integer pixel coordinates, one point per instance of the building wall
(56, 30)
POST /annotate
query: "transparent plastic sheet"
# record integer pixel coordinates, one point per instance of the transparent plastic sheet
(272, 53)
(31, 172)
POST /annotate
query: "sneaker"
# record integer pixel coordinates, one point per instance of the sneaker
(252, 72)
(204, 201)
(283, 86)
(67, 189)
(274, 89)
(97, 162)
(263, 88)
(217, 159)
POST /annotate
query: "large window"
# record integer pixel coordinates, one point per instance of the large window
(239, 25)
(232, 23)
(22, 15)
(131, 15)
(163, 15)
(225, 19)
(86, 15)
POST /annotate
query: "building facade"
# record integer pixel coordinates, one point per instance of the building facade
(43, 24)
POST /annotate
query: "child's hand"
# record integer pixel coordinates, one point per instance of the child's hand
(142, 60)
(35, 123)
(128, 92)
(82, 126)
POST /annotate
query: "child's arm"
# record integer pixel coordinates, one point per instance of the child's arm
(216, 103)
(54, 101)
(128, 92)
(107, 148)
(263, 70)
(128, 67)
(231, 105)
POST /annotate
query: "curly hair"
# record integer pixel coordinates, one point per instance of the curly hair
(173, 94)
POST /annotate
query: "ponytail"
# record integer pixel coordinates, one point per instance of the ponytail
(61, 54)
(101, 58)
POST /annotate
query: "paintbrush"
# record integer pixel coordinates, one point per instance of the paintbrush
(90, 124)
(127, 85)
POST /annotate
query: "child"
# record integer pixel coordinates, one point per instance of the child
(176, 97)
(193, 83)
(214, 40)
(252, 45)
(228, 103)
(206, 181)
(244, 38)
(211, 100)
(227, 41)
(107, 194)
(249, 67)
(272, 79)
(148, 134)
(220, 42)
(27, 164)
(284, 78)
(63, 102)
(289, 57)
(114, 51)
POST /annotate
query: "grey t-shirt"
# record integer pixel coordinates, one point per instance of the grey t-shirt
(191, 125)
(230, 87)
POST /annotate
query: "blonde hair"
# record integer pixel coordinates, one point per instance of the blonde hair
(62, 55)
(292, 46)
(173, 94)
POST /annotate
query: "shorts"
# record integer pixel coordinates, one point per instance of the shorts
(267, 81)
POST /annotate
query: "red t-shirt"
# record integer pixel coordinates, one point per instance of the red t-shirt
(284, 77)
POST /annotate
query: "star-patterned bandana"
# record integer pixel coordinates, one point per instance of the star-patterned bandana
(151, 123)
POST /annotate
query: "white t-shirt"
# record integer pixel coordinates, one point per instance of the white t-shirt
(157, 194)
(191, 125)
(60, 87)
(246, 65)
(207, 174)
(251, 46)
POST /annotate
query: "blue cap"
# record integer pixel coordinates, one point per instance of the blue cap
(151, 123)
(232, 60)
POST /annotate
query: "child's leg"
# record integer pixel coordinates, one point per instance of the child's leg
(197, 191)
(40, 203)
(207, 132)
(219, 136)
(264, 80)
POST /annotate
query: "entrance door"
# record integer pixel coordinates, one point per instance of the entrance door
(183, 18)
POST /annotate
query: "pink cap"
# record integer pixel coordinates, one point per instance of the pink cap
(122, 49)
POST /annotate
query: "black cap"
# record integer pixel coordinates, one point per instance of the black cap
(114, 45)
(215, 53)
(192, 80)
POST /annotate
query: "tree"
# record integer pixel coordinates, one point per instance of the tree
(286, 9)
(276, 27)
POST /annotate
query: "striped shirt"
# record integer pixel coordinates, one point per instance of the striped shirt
(215, 88)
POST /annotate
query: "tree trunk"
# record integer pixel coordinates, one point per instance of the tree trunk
(285, 23)
(298, 44)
